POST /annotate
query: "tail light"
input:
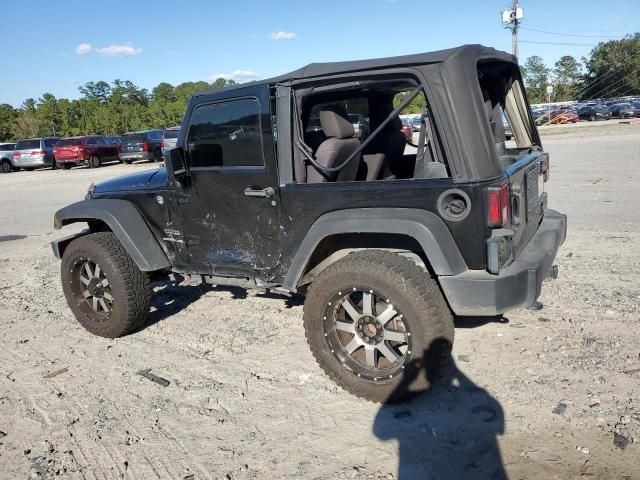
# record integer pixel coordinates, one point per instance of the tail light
(16, 154)
(145, 146)
(38, 152)
(162, 143)
(498, 201)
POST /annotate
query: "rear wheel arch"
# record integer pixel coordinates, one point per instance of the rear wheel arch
(412, 231)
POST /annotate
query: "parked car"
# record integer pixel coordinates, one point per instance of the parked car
(115, 141)
(385, 261)
(169, 138)
(594, 112)
(6, 157)
(564, 116)
(141, 145)
(623, 110)
(91, 150)
(508, 133)
(35, 152)
(416, 123)
(407, 129)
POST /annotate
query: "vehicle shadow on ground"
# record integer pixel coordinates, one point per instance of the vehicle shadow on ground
(474, 322)
(449, 431)
(171, 297)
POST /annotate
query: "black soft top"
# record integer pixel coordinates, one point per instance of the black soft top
(472, 53)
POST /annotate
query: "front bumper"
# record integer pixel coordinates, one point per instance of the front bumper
(136, 156)
(480, 293)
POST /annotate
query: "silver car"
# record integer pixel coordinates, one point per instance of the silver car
(170, 138)
(6, 157)
(35, 152)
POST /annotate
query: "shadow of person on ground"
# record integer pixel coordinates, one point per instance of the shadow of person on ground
(447, 432)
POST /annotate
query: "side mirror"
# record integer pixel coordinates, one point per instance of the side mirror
(177, 161)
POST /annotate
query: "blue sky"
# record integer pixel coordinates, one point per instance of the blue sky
(56, 46)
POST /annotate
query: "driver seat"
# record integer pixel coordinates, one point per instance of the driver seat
(340, 143)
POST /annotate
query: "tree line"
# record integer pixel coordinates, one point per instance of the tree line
(612, 70)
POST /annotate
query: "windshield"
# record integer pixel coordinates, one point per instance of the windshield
(68, 142)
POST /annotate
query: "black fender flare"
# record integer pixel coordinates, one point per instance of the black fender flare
(425, 227)
(124, 220)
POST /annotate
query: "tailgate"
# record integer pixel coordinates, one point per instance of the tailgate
(131, 147)
(528, 200)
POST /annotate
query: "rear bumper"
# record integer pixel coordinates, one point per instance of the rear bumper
(480, 293)
(136, 156)
(31, 162)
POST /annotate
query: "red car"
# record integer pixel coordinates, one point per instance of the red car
(407, 130)
(564, 116)
(91, 150)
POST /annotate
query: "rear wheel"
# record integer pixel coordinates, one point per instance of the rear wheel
(107, 292)
(54, 165)
(127, 162)
(592, 118)
(374, 321)
(5, 166)
(157, 156)
(66, 165)
(94, 161)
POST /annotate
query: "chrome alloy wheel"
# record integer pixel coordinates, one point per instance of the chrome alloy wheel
(367, 333)
(91, 289)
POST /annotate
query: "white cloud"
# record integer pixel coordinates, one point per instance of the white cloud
(284, 35)
(110, 51)
(119, 51)
(235, 75)
(84, 48)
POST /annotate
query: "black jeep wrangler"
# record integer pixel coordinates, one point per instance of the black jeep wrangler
(274, 186)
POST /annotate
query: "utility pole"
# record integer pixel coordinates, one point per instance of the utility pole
(511, 19)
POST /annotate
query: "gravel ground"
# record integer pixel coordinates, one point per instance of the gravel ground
(552, 394)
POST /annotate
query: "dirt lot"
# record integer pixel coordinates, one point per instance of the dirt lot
(536, 395)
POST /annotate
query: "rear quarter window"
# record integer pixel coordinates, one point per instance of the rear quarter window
(50, 142)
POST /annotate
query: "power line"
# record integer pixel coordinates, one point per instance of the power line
(560, 43)
(571, 34)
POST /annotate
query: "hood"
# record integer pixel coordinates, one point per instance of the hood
(147, 180)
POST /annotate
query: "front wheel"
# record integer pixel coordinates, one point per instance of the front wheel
(107, 292)
(378, 326)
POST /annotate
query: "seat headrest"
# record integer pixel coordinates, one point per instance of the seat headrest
(333, 125)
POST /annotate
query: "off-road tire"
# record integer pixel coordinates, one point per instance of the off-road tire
(130, 287)
(426, 315)
(6, 166)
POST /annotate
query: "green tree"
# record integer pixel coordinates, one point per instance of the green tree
(613, 70)
(536, 79)
(8, 116)
(567, 78)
